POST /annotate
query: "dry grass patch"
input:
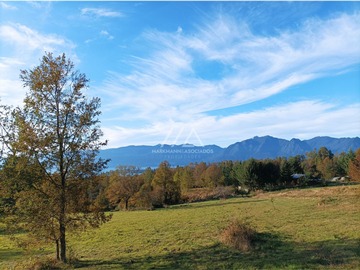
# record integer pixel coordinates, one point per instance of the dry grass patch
(338, 191)
(206, 194)
(239, 235)
(327, 201)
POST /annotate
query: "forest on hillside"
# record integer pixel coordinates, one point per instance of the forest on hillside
(129, 188)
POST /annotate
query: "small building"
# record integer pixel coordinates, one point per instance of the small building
(297, 175)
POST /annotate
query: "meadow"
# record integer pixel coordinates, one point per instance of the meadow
(316, 228)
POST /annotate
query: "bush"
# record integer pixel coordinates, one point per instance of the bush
(238, 235)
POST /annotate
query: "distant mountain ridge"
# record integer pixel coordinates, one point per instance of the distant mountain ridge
(257, 147)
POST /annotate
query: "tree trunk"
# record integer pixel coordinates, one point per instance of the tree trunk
(126, 204)
(62, 244)
(62, 224)
(57, 250)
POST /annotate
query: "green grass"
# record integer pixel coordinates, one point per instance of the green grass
(305, 229)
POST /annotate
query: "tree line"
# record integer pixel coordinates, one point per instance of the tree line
(127, 187)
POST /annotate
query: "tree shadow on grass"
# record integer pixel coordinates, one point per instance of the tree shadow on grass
(270, 252)
(10, 255)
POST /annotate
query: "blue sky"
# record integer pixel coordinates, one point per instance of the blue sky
(198, 72)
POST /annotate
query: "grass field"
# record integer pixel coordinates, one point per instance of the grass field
(298, 229)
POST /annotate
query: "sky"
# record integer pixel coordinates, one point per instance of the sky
(197, 72)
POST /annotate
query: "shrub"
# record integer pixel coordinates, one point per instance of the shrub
(238, 235)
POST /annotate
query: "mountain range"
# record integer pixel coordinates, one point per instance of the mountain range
(257, 147)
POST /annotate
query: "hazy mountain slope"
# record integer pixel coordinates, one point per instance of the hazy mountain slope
(257, 147)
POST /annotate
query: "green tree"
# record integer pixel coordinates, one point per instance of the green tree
(285, 172)
(187, 179)
(325, 153)
(227, 168)
(238, 169)
(184, 177)
(165, 189)
(58, 129)
(296, 164)
(342, 162)
(249, 174)
(269, 173)
(310, 165)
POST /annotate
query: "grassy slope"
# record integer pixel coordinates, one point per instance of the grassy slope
(314, 228)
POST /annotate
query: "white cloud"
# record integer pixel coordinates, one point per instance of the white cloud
(167, 86)
(25, 39)
(25, 47)
(100, 12)
(302, 119)
(6, 6)
(106, 34)
(259, 66)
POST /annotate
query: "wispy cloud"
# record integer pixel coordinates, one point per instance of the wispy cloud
(169, 86)
(106, 34)
(25, 47)
(255, 67)
(101, 12)
(27, 39)
(101, 35)
(6, 6)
